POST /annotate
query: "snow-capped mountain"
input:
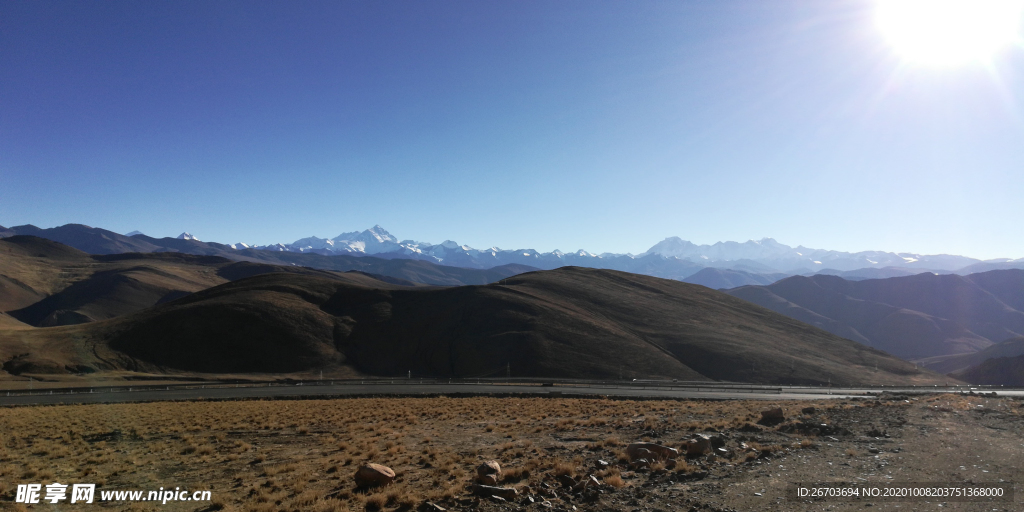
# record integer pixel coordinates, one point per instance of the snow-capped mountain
(782, 257)
(671, 258)
(378, 242)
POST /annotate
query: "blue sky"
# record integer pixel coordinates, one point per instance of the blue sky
(606, 126)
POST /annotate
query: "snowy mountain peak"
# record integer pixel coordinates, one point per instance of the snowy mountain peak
(675, 257)
(381, 234)
(188, 236)
(133, 233)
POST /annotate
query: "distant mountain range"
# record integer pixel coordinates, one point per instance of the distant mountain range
(65, 312)
(947, 323)
(749, 263)
(763, 256)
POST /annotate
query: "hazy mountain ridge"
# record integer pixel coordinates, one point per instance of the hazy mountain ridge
(798, 260)
(760, 256)
(1012, 347)
(913, 317)
(672, 258)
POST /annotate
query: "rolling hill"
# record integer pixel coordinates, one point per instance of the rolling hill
(998, 371)
(570, 322)
(45, 283)
(913, 317)
(1012, 347)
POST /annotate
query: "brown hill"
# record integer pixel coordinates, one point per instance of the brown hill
(33, 268)
(9, 322)
(570, 322)
(45, 284)
(913, 317)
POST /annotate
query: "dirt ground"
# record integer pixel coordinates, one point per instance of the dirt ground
(301, 454)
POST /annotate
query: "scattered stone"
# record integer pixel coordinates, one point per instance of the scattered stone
(374, 475)
(602, 464)
(567, 481)
(659, 451)
(506, 493)
(430, 506)
(808, 410)
(813, 429)
(717, 441)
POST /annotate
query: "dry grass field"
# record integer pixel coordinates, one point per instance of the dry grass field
(300, 455)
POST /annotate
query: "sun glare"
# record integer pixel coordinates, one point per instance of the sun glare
(949, 32)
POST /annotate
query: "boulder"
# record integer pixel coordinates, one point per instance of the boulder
(490, 467)
(641, 453)
(374, 475)
(658, 451)
(700, 445)
(487, 480)
(808, 410)
(772, 417)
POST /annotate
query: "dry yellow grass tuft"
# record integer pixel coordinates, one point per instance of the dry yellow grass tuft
(301, 455)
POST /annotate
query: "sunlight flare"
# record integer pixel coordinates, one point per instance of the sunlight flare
(949, 32)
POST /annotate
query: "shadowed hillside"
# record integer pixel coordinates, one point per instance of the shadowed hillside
(913, 317)
(570, 322)
(999, 371)
(948, 364)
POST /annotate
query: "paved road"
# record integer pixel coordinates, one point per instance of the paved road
(148, 395)
(381, 389)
